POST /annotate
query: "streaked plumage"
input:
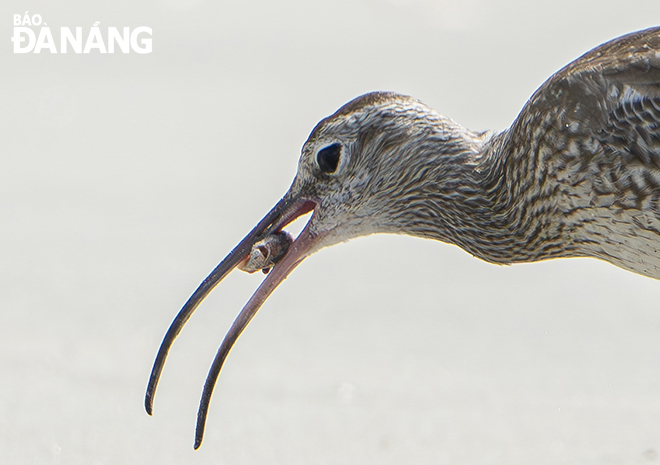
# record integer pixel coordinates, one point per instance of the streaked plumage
(577, 174)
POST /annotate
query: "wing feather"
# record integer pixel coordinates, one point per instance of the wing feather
(619, 79)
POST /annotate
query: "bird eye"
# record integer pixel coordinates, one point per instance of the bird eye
(328, 158)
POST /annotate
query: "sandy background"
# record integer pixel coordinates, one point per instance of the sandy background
(124, 179)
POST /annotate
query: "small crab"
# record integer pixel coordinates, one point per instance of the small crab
(267, 252)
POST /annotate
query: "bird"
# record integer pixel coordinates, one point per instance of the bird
(577, 174)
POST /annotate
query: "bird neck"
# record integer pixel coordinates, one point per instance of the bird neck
(483, 198)
(512, 214)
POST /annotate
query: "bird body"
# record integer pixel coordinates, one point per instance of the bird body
(576, 175)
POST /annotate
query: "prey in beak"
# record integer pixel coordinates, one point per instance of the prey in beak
(267, 252)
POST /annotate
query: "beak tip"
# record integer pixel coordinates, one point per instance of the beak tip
(149, 400)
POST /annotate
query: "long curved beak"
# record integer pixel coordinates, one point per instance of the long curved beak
(284, 212)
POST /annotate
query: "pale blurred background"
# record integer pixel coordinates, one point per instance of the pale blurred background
(124, 179)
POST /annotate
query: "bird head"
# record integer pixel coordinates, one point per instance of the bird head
(362, 166)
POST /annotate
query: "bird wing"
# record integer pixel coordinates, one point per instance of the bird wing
(615, 83)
